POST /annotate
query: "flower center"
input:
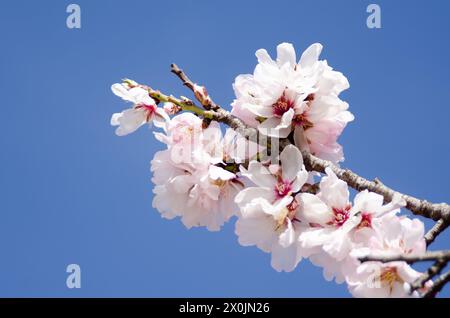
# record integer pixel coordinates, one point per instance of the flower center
(282, 105)
(150, 109)
(282, 189)
(302, 120)
(219, 182)
(287, 213)
(389, 277)
(184, 133)
(366, 220)
(341, 215)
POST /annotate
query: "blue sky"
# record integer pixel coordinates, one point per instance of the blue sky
(73, 192)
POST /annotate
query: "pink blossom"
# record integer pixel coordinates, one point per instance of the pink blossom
(395, 236)
(144, 110)
(335, 225)
(201, 194)
(283, 96)
(191, 176)
(268, 212)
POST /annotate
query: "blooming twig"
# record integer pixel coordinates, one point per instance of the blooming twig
(213, 110)
(435, 211)
(184, 103)
(438, 212)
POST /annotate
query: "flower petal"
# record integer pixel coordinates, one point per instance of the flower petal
(129, 121)
(313, 210)
(310, 55)
(286, 55)
(259, 174)
(291, 162)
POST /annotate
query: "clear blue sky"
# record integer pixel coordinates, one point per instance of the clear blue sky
(73, 192)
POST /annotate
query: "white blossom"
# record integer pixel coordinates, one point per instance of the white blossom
(268, 212)
(144, 110)
(284, 95)
(395, 236)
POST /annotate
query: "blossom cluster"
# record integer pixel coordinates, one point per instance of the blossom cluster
(205, 176)
(284, 96)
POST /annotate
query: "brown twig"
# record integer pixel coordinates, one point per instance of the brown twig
(182, 76)
(443, 256)
(431, 272)
(213, 110)
(435, 211)
(199, 91)
(437, 286)
(438, 228)
(311, 188)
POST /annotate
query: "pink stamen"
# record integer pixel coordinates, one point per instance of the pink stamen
(366, 220)
(341, 215)
(150, 109)
(282, 105)
(302, 119)
(282, 189)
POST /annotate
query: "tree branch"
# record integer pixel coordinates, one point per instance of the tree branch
(443, 256)
(435, 211)
(441, 259)
(434, 270)
(199, 91)
(214, 111)
(182, 76)
(438, 228)
(437, 285)
(184, 103)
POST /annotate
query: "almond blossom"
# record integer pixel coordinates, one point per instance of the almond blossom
(183, 134)
(143, 111)
(397, 236)
(201, 194)
(269, 216)
(285, 95)
(274, 228)
(191, 176)
(336, 226)
(277, 181)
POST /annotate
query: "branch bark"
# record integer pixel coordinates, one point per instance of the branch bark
(201, 96)
(438, 228)
(437, 285)
(434, 270)
(443, 256)
(435, 211)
